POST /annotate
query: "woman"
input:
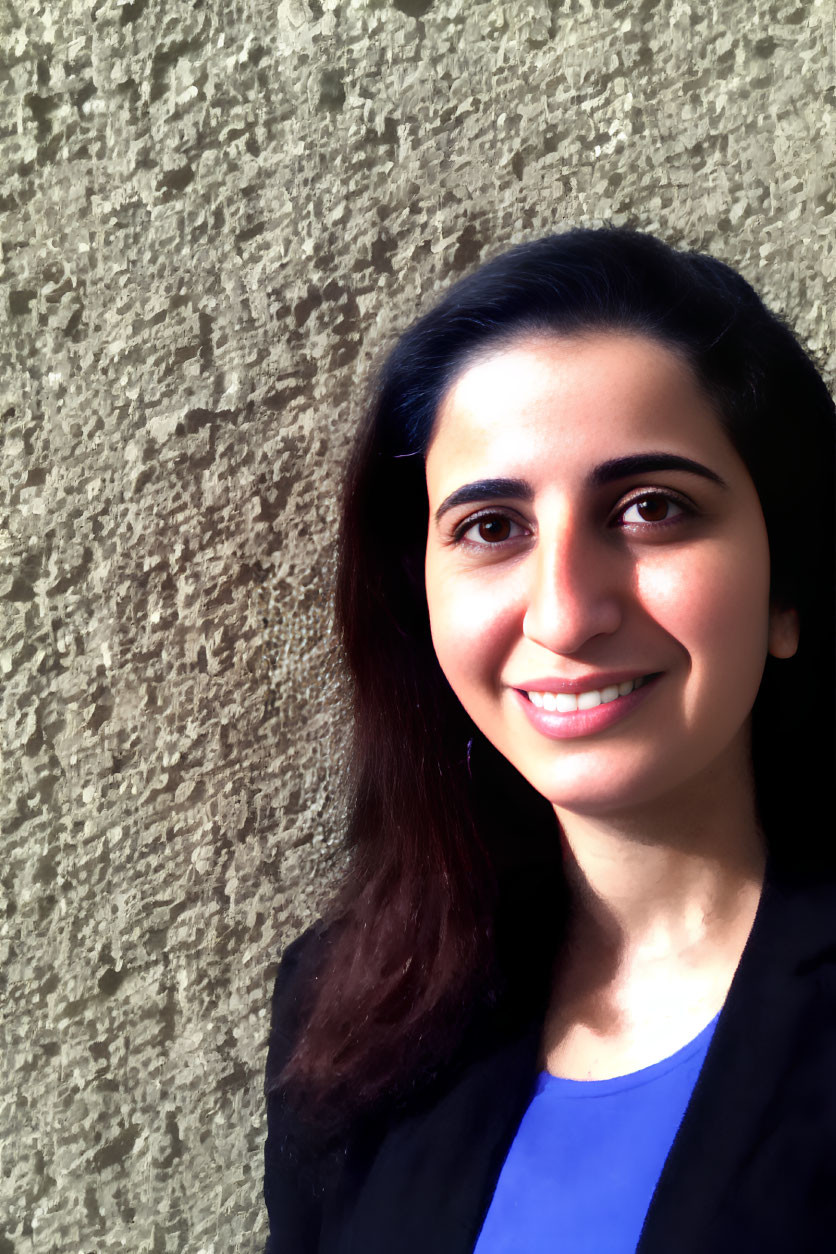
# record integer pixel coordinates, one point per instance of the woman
(586, 598)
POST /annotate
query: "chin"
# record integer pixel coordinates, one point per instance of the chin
(598, 793)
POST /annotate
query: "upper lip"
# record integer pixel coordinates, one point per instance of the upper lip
(587, 683)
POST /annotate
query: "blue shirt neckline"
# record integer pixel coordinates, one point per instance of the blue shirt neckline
(560, 1086)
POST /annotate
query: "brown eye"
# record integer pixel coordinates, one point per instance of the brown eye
(494, 528)
(654, 509)
(488, 531)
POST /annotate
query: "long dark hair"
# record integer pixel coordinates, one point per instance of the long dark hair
(454, 900)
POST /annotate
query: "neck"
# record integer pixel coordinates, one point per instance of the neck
(675, 885)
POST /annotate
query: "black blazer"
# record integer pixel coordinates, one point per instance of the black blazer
(752, 1167)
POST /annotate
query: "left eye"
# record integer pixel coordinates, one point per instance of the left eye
(655, 503)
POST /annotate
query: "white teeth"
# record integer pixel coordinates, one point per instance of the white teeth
(564, 702)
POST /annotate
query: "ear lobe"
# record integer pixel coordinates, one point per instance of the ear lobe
(783, 632)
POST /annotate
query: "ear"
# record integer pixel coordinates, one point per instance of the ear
(783, 631)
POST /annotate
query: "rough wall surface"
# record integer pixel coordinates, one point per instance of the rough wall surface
(216, 214)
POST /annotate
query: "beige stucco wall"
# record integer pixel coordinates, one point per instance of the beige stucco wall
(215, 216)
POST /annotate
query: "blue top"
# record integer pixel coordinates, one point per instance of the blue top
(586, 1158)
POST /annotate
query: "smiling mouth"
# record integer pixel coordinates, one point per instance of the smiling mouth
(566, 702)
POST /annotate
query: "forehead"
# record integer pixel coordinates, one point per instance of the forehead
(578, 398)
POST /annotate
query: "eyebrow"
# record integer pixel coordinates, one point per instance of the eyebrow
(608, 472)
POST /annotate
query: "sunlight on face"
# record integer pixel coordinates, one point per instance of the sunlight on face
(562, 576)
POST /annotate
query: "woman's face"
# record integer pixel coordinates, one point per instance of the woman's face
(583, 569)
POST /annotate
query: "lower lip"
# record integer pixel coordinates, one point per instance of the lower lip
(584, 722)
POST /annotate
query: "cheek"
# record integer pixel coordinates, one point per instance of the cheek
(472, 631)
(716, 606)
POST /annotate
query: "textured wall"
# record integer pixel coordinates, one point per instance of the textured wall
(215, 215)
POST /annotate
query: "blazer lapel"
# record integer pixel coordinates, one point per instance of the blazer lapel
(428, 1183)
(769, 1011)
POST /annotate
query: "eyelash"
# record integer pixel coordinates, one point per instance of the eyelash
(464, 527)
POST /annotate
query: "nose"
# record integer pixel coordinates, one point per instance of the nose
(575, 591)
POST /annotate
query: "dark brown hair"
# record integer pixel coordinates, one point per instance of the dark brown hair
(453, 901)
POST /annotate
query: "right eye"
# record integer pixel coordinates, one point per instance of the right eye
(492, 528)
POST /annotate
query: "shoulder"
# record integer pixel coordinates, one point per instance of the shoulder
(293, 987)
(293, 1184)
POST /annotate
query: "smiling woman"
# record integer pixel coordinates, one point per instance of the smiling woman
(586, 599)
